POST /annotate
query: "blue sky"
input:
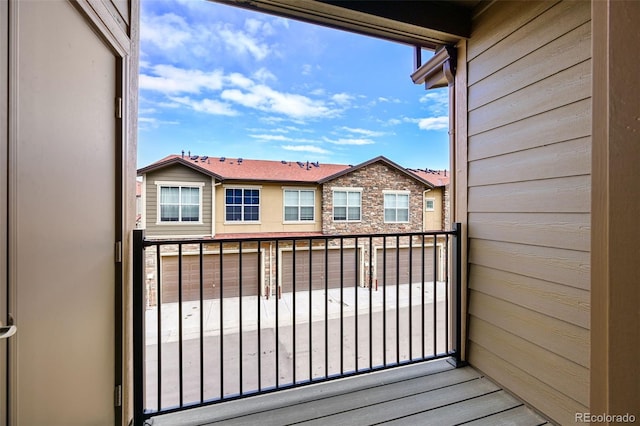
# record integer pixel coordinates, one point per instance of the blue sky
(222, 81)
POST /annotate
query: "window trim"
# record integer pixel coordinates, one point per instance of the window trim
(333, 204)
(242, 222)
(384, 206)
(181, 184)
(426, 208)
(284, 206)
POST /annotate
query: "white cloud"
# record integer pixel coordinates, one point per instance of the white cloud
(342, 98)
(237, 79)
(167, 31)
(241, 42)
(349, 141)
(208, 106)
(365, 132)
(306, 148)
(434, 123)
(306, 69)
(437, 101)
(266, 137)
(263, 75)
(264, 98)
(170, 79)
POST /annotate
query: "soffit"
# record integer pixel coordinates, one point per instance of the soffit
(427, 24)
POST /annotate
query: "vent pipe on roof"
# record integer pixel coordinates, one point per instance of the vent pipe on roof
(183, 153)
(189, 153)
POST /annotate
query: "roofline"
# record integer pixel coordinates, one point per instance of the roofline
(176, 160)
(381, 159)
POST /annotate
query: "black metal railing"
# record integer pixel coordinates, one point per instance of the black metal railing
(219, 319)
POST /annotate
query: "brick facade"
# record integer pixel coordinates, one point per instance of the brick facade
(373, 179)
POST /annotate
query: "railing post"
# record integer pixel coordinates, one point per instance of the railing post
(456, 280)
(138, 327)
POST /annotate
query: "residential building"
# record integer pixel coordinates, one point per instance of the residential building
(201, 196)
(187, 196)
(544, 182)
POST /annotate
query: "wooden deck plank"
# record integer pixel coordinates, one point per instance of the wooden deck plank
(285, 398)
(520, 415)
(464, 411)
(393, 409)
(364, 398)
(429, 393)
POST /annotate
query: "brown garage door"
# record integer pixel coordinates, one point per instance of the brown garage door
(317, 269)
(387, 265)
(211, 276)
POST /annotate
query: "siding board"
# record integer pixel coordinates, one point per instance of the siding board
(537, 393)
(566, 195)
(529, 201)
(555, 300)
(562, 53)
(568, 86)
(542, 30)
(497, 23)
(568, 122)
(570, 231)
(562, 374)
(176, 174)
(561, 266)
(570, 158)
(562, 338)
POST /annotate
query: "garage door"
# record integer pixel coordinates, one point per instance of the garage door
(317, 269)
(387, 265)
(211, 276)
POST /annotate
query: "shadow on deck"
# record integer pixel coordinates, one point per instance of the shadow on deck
(431, 393)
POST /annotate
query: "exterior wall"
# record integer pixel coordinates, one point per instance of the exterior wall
(529, 184)
(373, 179)
(176, 173)
(434, 220)
(271, 210)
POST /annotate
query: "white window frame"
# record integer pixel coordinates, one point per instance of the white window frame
(384, 206)
(333, 204)
(259, 205)
(284, 205)
(166, 184)
(426, 204)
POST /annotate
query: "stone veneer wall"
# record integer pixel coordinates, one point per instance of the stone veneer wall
(373, 179)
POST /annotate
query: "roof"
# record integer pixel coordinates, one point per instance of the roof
(435, 177)
(224, 169)
(379, 159)
(241, 169)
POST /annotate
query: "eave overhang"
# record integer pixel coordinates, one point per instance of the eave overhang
(427, 24)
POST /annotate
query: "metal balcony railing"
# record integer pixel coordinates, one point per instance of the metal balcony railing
(220, 319)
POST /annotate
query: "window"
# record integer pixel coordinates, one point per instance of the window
(396, 207)
(242, 205)
(179, 204)
(429, 204)
(299, 205)
(347, 205)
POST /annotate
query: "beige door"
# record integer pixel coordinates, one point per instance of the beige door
(62, 227)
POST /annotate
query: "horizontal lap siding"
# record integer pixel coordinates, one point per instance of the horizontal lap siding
(184, 175)
(529, 185)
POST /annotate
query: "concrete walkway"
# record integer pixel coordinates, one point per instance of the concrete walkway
(272, 311)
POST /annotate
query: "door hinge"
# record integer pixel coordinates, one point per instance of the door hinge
(118, 107)
(118, 396)
(118, 252)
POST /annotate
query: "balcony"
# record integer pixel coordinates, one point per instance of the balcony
(217, 321)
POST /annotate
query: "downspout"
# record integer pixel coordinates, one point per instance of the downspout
(449, 68)
(424, 209)
(213, 206)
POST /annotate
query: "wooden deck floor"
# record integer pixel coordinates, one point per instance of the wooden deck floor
(422, 394)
